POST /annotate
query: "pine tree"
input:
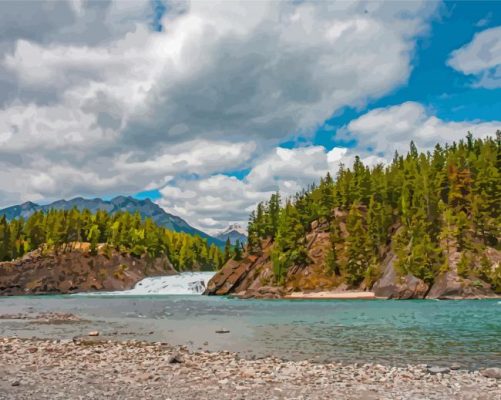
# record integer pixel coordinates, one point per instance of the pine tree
(94, 235)
(326, 190)
(357, 246)
(237, 253)
(227, 250)
(54, 231)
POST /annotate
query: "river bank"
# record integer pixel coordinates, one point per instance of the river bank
(92, 368)
(332, 295)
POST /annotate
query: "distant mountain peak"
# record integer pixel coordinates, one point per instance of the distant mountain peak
(236, 228)
(234, 232)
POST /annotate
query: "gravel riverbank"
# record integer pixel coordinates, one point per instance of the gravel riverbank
(93, 368)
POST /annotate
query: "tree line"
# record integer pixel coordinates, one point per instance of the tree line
(422, 206)
(123, 231)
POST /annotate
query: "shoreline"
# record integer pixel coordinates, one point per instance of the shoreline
(90, 367)
(326, 295)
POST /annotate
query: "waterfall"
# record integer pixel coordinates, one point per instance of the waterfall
(184, 283)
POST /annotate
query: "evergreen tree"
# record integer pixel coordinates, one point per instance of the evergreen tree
(57, 231)
(227, 250)
(427, 205)
(237, 253)
(357, 245)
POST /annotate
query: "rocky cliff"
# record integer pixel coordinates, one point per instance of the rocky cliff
(253, 276)
(73, 269)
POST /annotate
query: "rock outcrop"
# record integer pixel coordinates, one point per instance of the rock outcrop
(76, 270)
(450, 286)
(253, 275)
(392, 286)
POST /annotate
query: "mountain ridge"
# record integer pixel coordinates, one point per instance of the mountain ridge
(145, 207)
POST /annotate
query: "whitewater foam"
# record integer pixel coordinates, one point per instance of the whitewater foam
(184, 283)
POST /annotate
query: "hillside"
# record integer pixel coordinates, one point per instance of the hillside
(146, 208)
(75, 269)
(72, 250)
(427, 225)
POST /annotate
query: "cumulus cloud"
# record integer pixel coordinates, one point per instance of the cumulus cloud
(215, 201)
(212, 202)
(384, 130)
(94, 102)
(481, 58)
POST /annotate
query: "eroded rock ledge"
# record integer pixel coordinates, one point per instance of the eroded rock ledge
(76, 270)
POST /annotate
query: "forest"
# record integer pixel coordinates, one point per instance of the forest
(422, 206)
(122, 231)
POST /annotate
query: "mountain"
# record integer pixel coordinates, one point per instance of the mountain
(234, 232)
(120, 203)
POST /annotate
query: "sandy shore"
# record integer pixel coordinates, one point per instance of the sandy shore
(90, 368)
(331, 295)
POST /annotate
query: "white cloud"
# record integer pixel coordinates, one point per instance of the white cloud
(283, 166)
(385, 130)
(213, 202)
(481, 58)
(210, 203)
(93, 102)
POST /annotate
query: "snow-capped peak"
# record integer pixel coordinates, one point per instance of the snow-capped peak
(234, 228)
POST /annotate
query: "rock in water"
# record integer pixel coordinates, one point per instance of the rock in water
(492, 373)
(197, 287)
(223, 331)
(94, 333)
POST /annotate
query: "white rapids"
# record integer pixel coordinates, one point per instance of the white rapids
(183, 283)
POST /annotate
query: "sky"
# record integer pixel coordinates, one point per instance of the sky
(209, 107)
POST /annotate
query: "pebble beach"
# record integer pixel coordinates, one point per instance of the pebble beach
(89, 367)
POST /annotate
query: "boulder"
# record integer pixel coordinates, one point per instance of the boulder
(392, 286)
(438, 370)
(229, 276)
(492, 373)
(450, 286)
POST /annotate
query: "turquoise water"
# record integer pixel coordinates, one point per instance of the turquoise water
(384, 331)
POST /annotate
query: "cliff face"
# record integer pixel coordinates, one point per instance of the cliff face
(253, 276)
(76, 270)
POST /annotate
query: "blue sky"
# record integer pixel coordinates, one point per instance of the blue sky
(209, 107)
(433, 83)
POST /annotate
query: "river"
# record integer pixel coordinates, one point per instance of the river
(384, 331)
